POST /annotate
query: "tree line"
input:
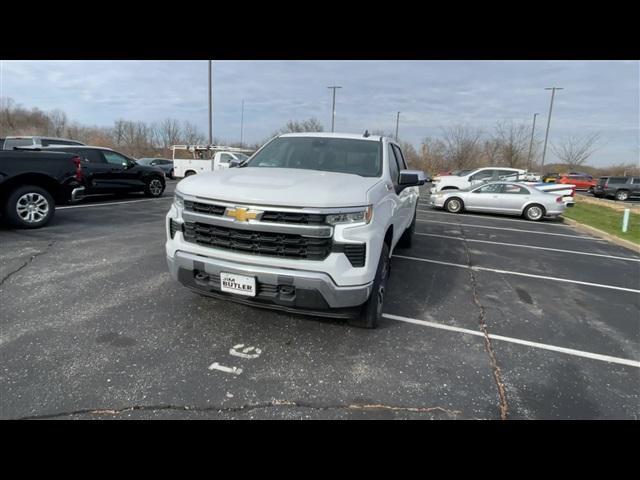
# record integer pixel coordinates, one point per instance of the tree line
(455, 147)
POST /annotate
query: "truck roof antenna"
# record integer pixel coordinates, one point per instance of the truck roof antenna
(366, 134)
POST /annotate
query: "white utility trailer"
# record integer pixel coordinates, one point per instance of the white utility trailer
(192, 159)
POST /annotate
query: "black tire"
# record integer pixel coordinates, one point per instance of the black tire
(371, 310)
(171, 174)
(534, 212)
(406, 240)
(29, 206)
(154, 187)
(454, 205)
(622, 195)
(188, 173)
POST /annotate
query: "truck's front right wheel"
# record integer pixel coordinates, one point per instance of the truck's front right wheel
(371, 310)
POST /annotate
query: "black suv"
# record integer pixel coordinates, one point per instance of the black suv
(107, 171)
(619, 187)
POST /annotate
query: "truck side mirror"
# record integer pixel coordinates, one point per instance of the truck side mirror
(411, 178)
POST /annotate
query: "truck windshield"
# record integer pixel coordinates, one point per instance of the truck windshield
(340, 155)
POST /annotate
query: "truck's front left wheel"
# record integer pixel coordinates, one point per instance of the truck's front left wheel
(30, 206)
(371, 310)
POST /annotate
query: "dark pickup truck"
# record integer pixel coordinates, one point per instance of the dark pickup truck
(32, 182)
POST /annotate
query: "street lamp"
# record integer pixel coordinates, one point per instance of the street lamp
(546, 136)
(333, 108)
(210, 109)
(397, 123)
(533, 129)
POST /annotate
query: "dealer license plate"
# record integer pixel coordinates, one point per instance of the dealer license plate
(239, 284)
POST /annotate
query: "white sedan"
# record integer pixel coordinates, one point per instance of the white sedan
(509, 198)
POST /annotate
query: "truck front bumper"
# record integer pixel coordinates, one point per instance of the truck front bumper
(313, 293)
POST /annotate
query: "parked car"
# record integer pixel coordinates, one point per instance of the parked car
(308, 224)
(108, 171)
(501, 197)
(550, 177)
(31, 182)
(36, 142)
(162, 163)
(621, 188)
(581, 182)
(469, 178)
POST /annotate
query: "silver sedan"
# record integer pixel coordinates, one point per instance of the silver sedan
(509, 198)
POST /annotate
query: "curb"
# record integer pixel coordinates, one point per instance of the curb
(606, 236)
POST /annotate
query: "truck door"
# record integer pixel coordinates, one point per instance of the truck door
(94, 168)
(120, 176)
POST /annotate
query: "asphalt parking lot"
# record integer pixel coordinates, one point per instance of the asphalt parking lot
(486, 317)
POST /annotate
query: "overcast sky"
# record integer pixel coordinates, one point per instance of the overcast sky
(599, 96)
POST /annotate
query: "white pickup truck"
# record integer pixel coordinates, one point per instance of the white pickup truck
(307, 224)
(191, 159)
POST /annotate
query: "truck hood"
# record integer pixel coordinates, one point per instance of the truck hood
(284, 187)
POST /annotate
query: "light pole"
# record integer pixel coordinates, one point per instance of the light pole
(210, 109)
(397, 123)
(533, 129)
(333, 108)
(546, 135)
(241, 123)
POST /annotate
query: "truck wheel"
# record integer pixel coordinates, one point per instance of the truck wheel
(622, 195)
(30, 207)
(154, 187)
(371, 310)
(188, 173)
(406, 239)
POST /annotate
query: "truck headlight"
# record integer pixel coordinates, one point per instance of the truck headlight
(178, 201)
(360, 216)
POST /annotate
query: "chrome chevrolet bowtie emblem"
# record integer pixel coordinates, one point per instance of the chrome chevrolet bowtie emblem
(242, 214)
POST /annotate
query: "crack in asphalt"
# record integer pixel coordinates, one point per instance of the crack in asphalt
(497, 373)
(28, 262)
(244, 408)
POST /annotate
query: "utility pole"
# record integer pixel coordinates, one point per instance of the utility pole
(397, 123)
(210, 109)
(533, 129)
(546, 136)
(333, 108)
(241, 123)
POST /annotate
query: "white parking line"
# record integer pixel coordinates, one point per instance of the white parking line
(437, 212)
(508, 229)
(509, 272)
(114, 203)
(543, 346)
(529, 246)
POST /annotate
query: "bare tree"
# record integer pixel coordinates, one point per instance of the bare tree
(310, 125)
(168, 132)
(574, 151)
(190, 134)
(432, 155)
(462, 146)
(513, 143)
(59, 123)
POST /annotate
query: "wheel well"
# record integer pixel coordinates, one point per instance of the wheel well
(388, 237)
(544, 210)
(189, 171)
(449, 188)
(42, 181)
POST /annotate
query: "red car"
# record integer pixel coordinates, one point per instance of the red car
(582, 182)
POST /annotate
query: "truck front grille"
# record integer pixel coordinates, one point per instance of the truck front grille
(258, 243)
(204, 208)
(267, 216)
